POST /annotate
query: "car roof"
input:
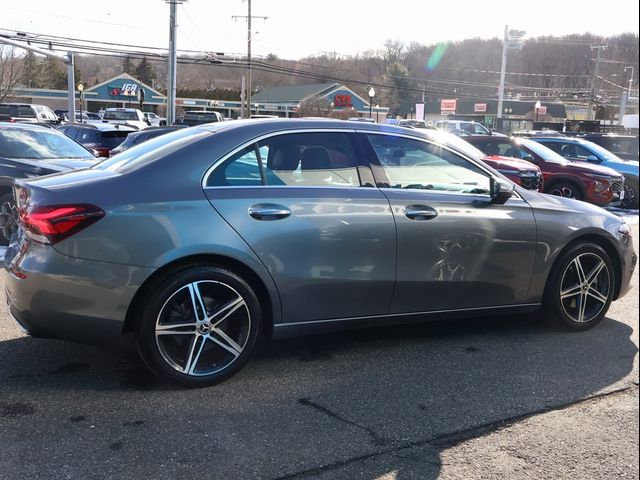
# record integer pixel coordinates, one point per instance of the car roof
(272, 125)
(104, 127)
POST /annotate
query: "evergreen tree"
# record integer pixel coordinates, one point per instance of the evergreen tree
(144, 72)
(53, 74)
(127, 66)
(31, 71)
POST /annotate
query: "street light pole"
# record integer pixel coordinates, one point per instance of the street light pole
(512, 40)
(172, 67)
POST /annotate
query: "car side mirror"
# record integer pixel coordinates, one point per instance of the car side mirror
(593, 159)
(528, 157)
(500, 191)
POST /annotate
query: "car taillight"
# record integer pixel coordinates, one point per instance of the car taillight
(52, 224)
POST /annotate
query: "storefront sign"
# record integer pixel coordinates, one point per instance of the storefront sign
(479, 107)
(342, 100)
(448, 105)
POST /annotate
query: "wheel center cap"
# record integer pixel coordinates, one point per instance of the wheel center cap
(204, 328)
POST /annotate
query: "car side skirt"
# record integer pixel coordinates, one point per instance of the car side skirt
(298, 329)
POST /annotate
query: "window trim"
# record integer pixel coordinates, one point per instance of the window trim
(256, 140)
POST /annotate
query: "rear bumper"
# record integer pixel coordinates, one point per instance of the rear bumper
(55, 296)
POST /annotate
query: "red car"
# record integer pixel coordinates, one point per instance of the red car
(591, 183)
(520, 172)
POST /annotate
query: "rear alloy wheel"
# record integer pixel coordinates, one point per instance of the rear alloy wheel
(580, 288)
(566, 190)
(199, 326)
(8, 218)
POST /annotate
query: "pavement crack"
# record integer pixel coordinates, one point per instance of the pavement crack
(375, 438)
(441, 441)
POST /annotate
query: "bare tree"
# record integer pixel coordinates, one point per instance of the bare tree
(315, 107)
(10, 71)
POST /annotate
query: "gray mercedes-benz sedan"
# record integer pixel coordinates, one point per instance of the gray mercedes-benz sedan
(197, 243)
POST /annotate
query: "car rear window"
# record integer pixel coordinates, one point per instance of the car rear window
(201, 116)
(38, 144)
(118, 115)
(112, 139)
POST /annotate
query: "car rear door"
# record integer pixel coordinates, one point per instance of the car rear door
(314, 218)
(456, 250)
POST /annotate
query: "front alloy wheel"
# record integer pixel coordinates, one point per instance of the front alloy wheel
(200, 328)
(585, 287)
(566, 190)
(580, 287)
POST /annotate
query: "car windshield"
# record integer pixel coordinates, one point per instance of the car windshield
(543, 151)
(39, 145)
(600, 151)
(119, 115)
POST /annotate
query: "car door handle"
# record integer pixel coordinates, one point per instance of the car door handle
(420, 212)
(268, 211)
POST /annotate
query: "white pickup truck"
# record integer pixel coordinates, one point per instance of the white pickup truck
(128, 116)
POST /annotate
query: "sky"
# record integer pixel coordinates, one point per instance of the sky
(298, 28)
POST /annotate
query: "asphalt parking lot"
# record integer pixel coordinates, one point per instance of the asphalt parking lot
(481, 398)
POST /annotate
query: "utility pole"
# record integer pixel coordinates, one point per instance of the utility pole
(172, 67)
(596, 71)
(630, 80)
(67, 59)
(248, 17)
(512, 40)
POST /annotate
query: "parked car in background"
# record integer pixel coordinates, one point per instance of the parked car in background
(28, 151)
(155, 120)
(362, 119)
(197, 243)
(129, 116)
(101, 138)
(585, 152)
(27, 113)
(464, 128)
(622, 146)
(591, 183)
(536, 133)
(200, 117)
(136, 138)
(520, 172)
(409, 122)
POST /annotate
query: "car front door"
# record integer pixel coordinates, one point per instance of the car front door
(456, 249)
(320, 227)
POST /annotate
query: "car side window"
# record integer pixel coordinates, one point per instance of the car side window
(241, 169)
(479, 129)
(310, 159)
(414, 164)
(581, 153)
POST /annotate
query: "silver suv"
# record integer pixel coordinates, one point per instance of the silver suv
(27, 113)
(463, 128)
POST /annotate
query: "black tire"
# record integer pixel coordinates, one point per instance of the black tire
(565, 189)
(565, 312)
(630, 200)
(4, 227)
(170, 302)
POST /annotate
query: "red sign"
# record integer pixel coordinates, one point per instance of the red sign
(342, 100)
(448, 105)
(542, 110)
(479, 107)
(114, 92)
